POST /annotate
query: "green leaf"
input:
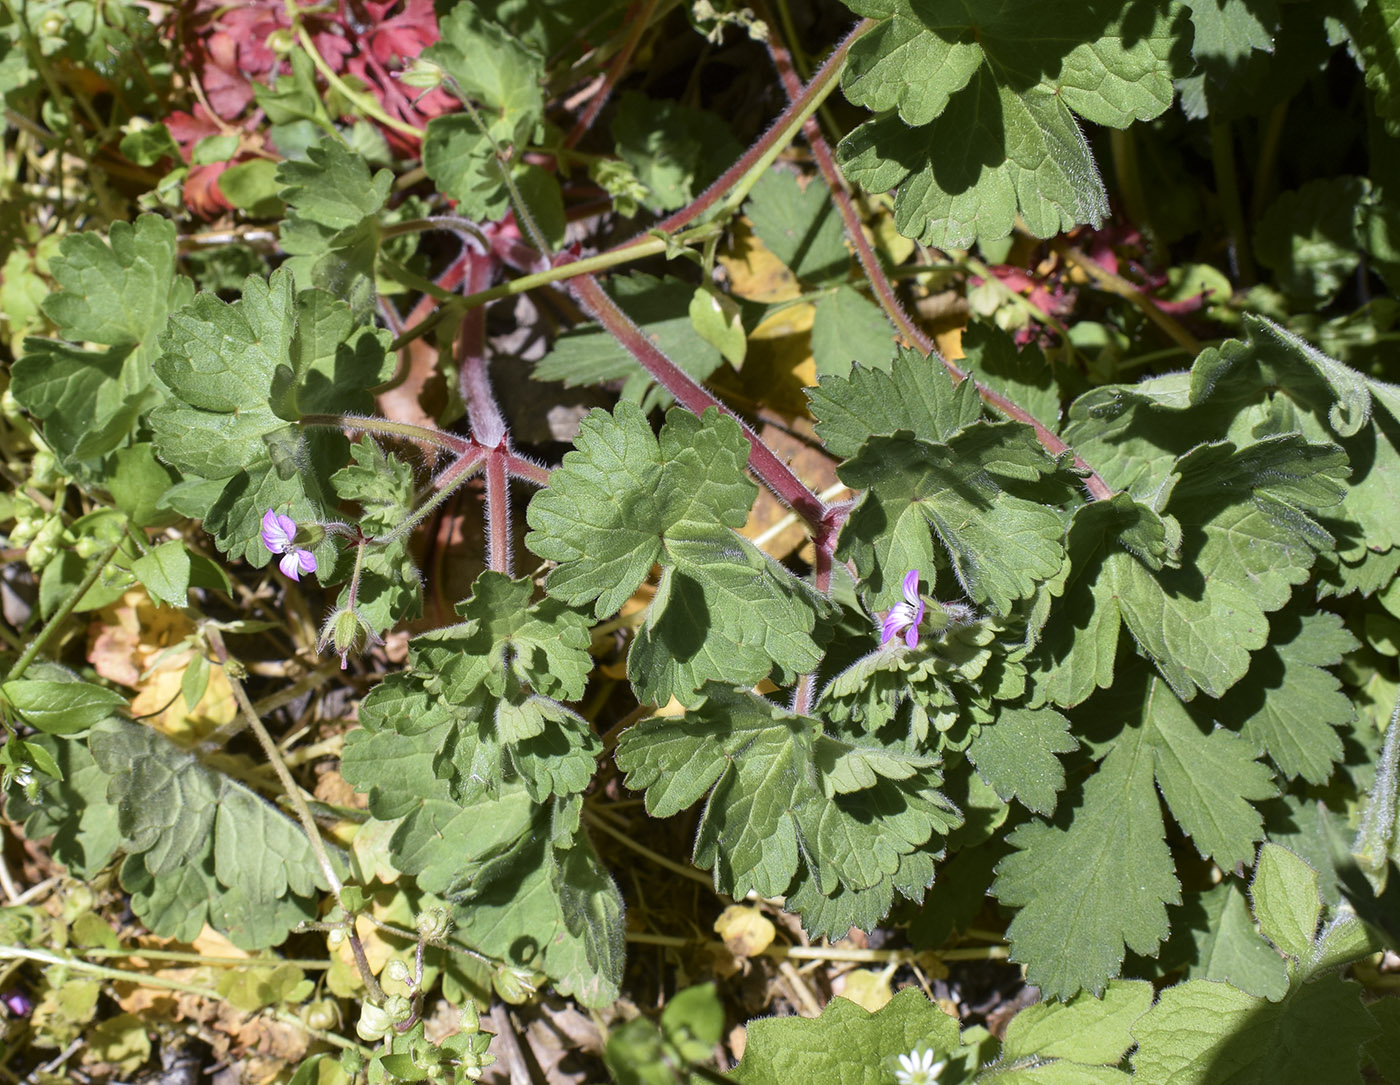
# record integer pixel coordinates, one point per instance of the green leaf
(1290, 707)
(459, 158)
(1271, 384)
(915, 394)
(1086, 1031)
(1016, 756)
(198, 842)
(252, 188)
(502, 75)
(1226, 32)
(239, 375)
(962, 492)
(1286, 900)
(333, 186)
(494, 69)
(165, 571)
(1023, 375)
(137, 482)
(544, 646)
(849, 328)
(999, 84)
(625, 499)
(74, 810)
(715, 318)
(61, 708)
(1225, 945)
(115, 294)
(1310, 237)
(331, 232)
(480, 695)
(674, 150)
(1207, 774)
(661, 308)
(390, 589)
(1200, 1031)
(846, 1043)
(1378, 36)
(782, 794)
(1098, 880)
(1247, 537)
(552, 908)
(798, 223)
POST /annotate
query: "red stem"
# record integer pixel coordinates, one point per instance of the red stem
(498, 513)
(763, 461)
(884, 290)
(731, 176)
(638, 16)
(483, 413)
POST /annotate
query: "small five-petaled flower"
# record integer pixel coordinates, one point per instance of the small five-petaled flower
(278, 533)
(905, 615)
(918, 1068)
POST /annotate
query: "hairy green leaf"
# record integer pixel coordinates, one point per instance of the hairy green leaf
(846, 1043)
(626, 499)
(115, 294)
(1002, 84)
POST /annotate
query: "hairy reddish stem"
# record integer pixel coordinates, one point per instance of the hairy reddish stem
(884, 291)
(763, 461)
(498, 552)
(423, 435)
(829, 71)
(483, 413)
(638, 17)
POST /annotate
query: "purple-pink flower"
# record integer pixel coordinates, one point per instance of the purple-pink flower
(278, 535)
(905, 615)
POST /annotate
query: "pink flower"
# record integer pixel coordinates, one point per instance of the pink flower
(278, 533)
(905, 615)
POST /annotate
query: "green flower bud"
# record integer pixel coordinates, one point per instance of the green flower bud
(280, 41)
(346, 631)
(422, 74)
(374, 1022)
(399, 1008)
(44, 548)
(396, 971)
(433, 925)
(470, 1018)
(322, 1014)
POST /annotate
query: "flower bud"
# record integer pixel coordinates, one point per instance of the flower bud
(398, 1008)
(322, 1014)
(470, 1018)
(374, 1022)
(421, 74)
(346, 631)
(396, 971)
(433, 925)
(280, 41)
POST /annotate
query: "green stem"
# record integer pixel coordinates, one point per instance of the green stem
(453, 478)
(201, 958)
(366, 105)
(145, 979)
(652, 246)
(423, 435)
(1222, 153)
(303, 812)
(61, 614)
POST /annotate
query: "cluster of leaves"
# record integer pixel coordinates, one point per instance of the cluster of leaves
(1123, 702)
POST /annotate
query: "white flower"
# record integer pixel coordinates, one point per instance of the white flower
(918, 1068)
